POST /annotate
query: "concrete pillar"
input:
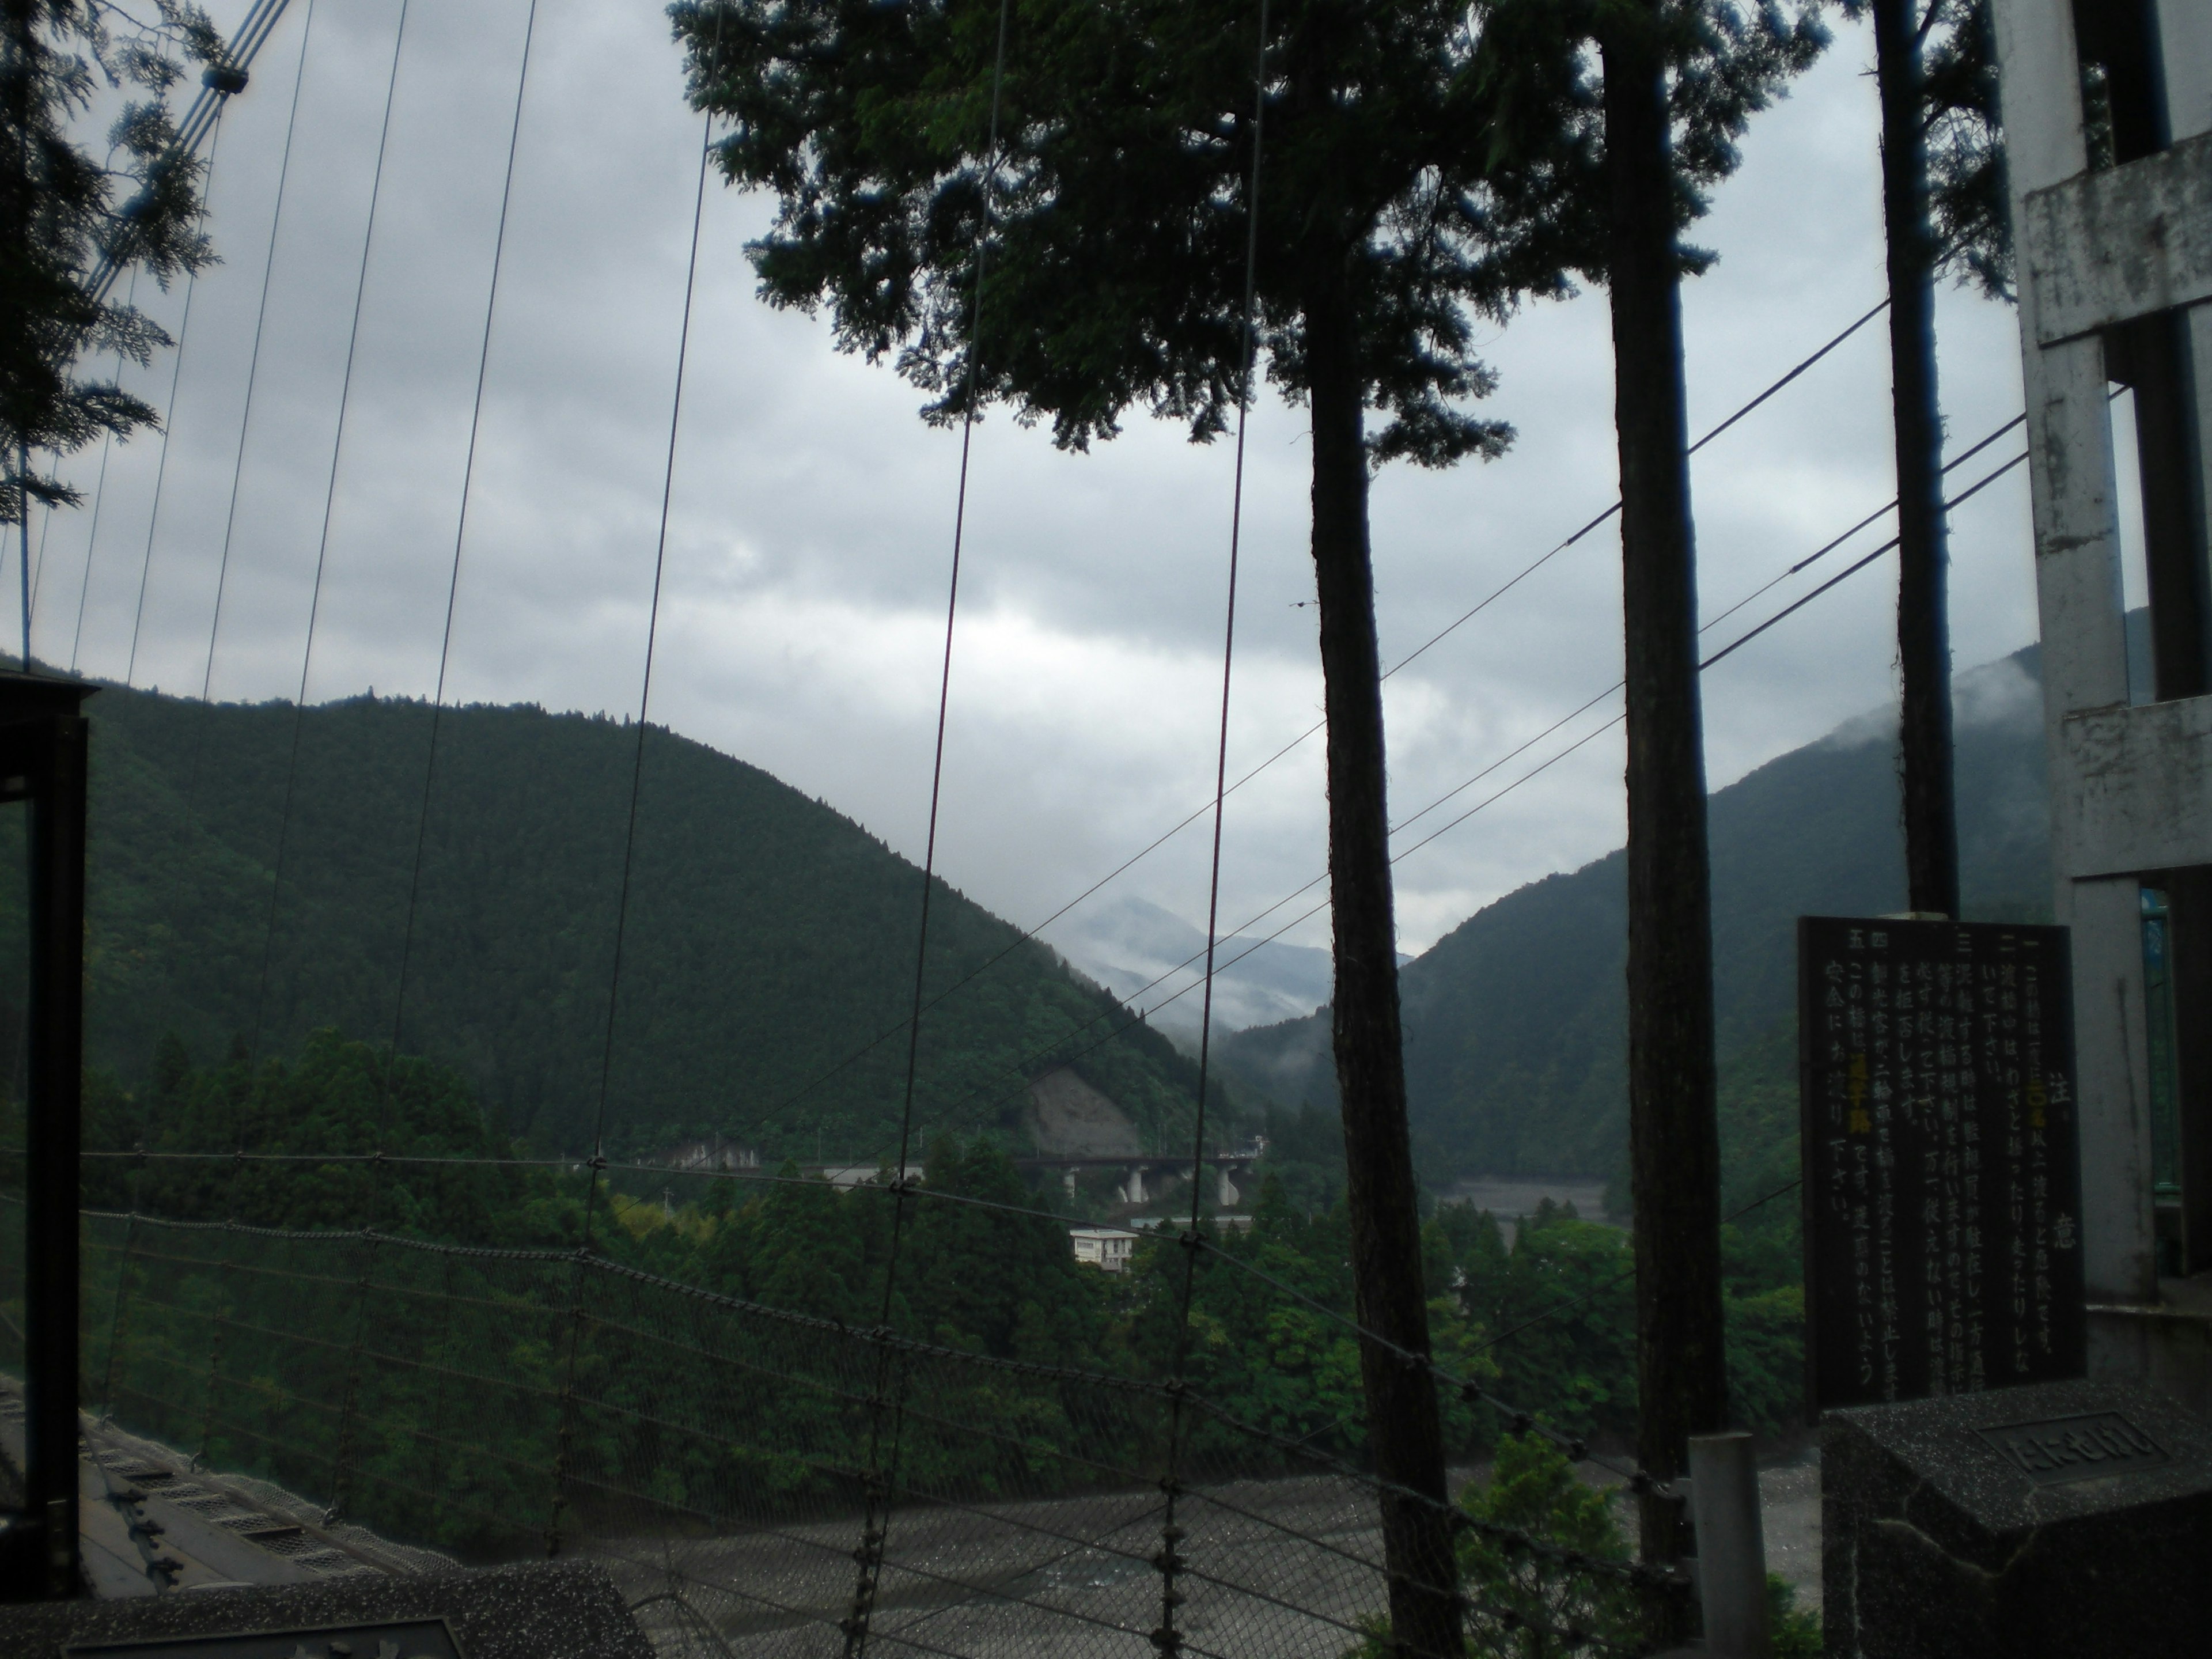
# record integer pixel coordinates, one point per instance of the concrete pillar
(2077, 569)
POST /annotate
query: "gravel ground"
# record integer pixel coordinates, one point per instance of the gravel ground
(1279, 1568)
(1789, 1507)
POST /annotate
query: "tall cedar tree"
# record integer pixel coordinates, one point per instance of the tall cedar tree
(1938, 89)
(62, 211)
(1117, 218)
(1417, 179)
(1659, 90)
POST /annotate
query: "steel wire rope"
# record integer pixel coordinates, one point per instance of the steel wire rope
(254, 355)
(1027, 935)
(1725, 651)
(875, 1519)
(99, 503)
(1168, 1638)
(23, 539)
(45, 526)
(116, 1325)
(342, 1455)
(322, 538)
(453, 576)
(121, 1299)
(169, 422)
(1015, 1523)
(1968, 493)
(1980, 484)
(584, 1250)
(445, 649)
(1188, 962)
(695, 1295)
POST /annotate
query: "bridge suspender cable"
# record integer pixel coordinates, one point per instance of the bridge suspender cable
(169, 419)
(460, 537)
(1496, 594)
(92, 533)
(342, 1481)
(882, 1460)
(567, 1426)
(253, 356)
(1166, 1639)
(218, 84)
(323, 538)
(1243, 932)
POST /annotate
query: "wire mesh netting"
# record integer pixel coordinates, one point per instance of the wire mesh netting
(718, 1457)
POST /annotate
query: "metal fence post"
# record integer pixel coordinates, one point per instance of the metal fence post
(1731, 1546)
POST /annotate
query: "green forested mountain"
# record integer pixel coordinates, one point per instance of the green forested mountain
(1515, 1021)
(769, 937)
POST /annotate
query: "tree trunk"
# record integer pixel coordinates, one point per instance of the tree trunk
(1674, 1146)
(1923, 632)
(1403, 1426)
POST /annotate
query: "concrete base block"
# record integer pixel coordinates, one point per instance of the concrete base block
(2068, 1519)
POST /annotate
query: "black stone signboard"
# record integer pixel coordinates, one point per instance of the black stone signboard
(2067, 1519)
(1942, 1175)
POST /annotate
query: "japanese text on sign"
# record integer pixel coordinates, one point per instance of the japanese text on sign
(1941, 1179)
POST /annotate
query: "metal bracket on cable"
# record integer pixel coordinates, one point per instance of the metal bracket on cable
(219, 82)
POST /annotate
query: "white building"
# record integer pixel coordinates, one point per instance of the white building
(1108, 1249)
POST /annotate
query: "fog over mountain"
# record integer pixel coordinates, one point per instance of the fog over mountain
(1514, 1021)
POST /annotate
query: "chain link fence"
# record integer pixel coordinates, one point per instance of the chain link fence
(719, 1456)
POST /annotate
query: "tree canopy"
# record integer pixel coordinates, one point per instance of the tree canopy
(1448, 158)
(63, 212)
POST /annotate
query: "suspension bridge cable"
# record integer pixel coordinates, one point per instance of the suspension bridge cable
(629, 830)
(386, 1089)
(875, 1522)
(1027, 935)
(461, 533)
(323, 538)
(168, 424)
(1535, 565)
(1242, 932)
(99, 501)
(1821, 552)
(1802, 565)
(253, 356)
(1038, 1055)
(46, 527)
(1168, 1638)
(23, 536)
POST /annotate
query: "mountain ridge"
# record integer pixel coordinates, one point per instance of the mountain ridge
(769, 937)
(1515, 1020)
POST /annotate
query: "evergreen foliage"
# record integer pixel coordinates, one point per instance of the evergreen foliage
(770, 938)
(1520, 1597)
(1545, 1324)
(1966, 190)
(62, 209)
(1515, 1020)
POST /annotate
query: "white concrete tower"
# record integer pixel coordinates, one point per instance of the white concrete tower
(2108, 129)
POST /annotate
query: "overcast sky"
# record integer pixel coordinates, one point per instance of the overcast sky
(812, 512)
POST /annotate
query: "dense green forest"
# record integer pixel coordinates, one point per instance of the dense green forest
(769, 937)
(1515, 1021)
(236, 1343)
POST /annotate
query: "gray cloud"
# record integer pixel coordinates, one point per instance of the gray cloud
(808, 543)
